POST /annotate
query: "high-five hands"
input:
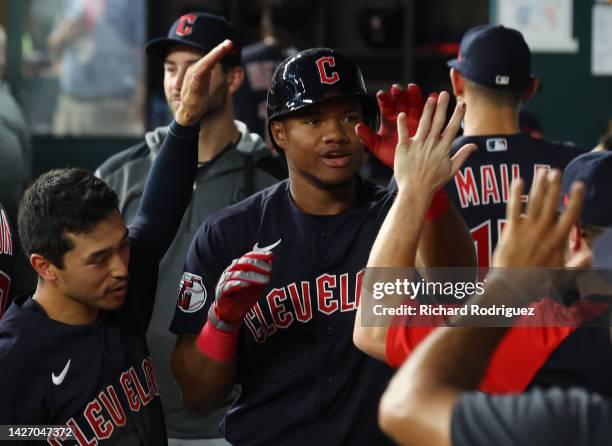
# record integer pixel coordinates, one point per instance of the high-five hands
(539, 238)
(391, 103)
(196, 86)
(423, 160)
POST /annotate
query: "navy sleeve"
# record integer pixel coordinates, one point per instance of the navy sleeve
(165, 197)
(553, 417)
(167, 192)
(206, 260)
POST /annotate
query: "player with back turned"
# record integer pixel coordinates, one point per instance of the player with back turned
(74, 353)
(279, 319)
(492, 75)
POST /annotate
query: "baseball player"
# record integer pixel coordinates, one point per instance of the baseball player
(6, 260)
(493, 88)
(492, 75)
(554, 354)
(440, 406)
(232, 161)
(285, 333)
(74, 353)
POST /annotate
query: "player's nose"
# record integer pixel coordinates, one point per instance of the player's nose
(178, 80)
(119, 266)
(334, 131)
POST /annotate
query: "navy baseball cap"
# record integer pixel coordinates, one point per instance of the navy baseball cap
(198, 30)
(494, 56)
(594, 169)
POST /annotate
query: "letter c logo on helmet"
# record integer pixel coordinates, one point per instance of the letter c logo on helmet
(183, 28)
(330, 62)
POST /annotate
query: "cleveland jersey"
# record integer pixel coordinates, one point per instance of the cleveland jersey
(96, 379)
(6, 260)
(303, 381)
(481, 188)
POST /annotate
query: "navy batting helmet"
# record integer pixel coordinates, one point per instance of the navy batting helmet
(313, 76)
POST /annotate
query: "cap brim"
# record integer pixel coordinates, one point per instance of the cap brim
(158, 48)
(453, 63)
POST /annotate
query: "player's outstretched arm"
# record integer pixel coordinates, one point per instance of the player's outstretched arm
(445, 238)
(417, 406)
(422, 166)
(169, 185)
(204, 365)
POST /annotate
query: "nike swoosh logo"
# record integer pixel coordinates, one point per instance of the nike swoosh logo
(57, 380)
(268, 248)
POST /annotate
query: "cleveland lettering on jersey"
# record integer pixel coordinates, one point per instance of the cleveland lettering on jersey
(295, 302)
(105, 413)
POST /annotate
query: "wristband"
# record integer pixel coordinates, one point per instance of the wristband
(439, 205)
(217, 344)
(184, 132)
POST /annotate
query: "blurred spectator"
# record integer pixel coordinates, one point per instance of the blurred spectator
(98, 43)
(15, 150)
(286, 28)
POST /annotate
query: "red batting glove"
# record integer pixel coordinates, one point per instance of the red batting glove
(391, 104)
(240, 287)
(238, 290)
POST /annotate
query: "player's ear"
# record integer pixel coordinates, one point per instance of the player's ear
(531, 89)
(43, 267)
(457, 82)
(279, 135)
(235, 78)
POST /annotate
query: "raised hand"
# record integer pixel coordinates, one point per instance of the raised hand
(391, 103)
(538, 239)
(239, 288)
(423, 161)
(196, 86)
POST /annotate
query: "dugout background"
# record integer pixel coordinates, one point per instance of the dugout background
(416, 40)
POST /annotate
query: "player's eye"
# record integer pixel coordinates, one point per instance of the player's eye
(351, 118)
(170, 70)
(312, 121)
(98, 261)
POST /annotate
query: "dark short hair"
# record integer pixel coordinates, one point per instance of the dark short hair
(61, 201)
(509, 97)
